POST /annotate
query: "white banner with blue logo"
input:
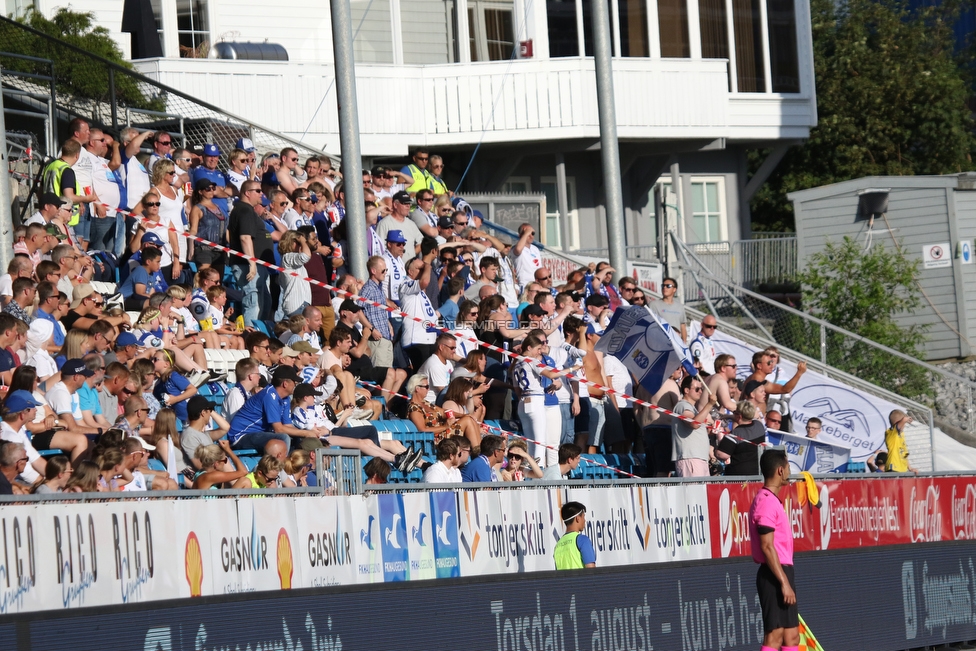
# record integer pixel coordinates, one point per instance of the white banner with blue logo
(649, 349)
(810, 454)
(851, 418)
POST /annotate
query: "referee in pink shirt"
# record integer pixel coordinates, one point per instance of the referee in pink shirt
(772, 548)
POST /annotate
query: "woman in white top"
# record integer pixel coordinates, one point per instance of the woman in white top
(466, 337)
(171, 207)
(152, 222)
(532, 408)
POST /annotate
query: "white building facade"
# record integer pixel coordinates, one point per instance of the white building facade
(696, 82)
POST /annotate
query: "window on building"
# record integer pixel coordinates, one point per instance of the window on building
(193, 28)
(563, 34)
(707, 220)
(554, 221)
(746, 15)
(373, 43)
(633, 28)
(714, 29)
(491, 29)
(672, 16)
(783, 60)
(517, 185)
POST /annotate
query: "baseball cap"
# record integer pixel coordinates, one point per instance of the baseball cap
(350, 305)
(145, 445)
(76, 367)
(288, 351)
(461, 204)
(286, 373)
(152, 238)
(211, 150)
(304, 391)
(203, 184)
(80, 293)
(51, 229)
(750, 386)
(533, 310)
(196, 406)
(445, 222)
(246, 145)
(402, 197)
(265, 201)
(126, 339)
(51, 199)
(478, 214)
(396, 236)
(303, 347)
(20, 400)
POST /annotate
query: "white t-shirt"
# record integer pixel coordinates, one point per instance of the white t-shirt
(526, 264)
(103, 181)
(162, 232)
(138, 482)
(83, 168)
(190, 324)
(415, 302)
(464, 343)
(396, 274)
(233, 401)
(439, 473)
(8, 433)
(621, 379)
(6, 285)
(703, 348)
(36, 218)
(527, 378)
(136, 180)
(63, 402)
(293, 219)
(236, 178)
(565, 356)
(438, 375)
(171, 214)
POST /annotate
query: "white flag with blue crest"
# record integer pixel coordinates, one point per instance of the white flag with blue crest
(651, 350)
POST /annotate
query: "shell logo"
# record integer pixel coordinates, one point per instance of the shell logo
(286, 562)
(193, 563)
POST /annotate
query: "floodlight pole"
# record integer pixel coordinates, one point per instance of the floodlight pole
(6, 202)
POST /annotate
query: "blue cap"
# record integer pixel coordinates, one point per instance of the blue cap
(246, 145)
(152, 238)
(265, 201)
(126, 339)
(20, 400)
(211, 150)
(477, 213)
(76, 367)
(396, 236)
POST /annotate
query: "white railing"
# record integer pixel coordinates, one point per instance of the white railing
(511, 101)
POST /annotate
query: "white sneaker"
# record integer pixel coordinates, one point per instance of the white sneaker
(199, 378)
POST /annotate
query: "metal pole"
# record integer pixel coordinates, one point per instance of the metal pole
(113, 100)
(609, 147)
(562, 201)
(6, 202)
(352, 172)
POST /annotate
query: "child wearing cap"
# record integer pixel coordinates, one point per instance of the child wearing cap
(230, 335)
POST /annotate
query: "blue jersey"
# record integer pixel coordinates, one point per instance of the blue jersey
(259, 413)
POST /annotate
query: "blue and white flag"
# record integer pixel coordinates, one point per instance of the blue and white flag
(650, 350)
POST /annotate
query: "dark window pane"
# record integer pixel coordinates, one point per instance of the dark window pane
(563, 36)
(748, 46)
(588, 28)
(783, 62)
(499, 34)
(633, 28)
(471, 34)
(673, 21)
(714, 29)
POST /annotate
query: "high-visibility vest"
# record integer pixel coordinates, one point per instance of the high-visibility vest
(438, 187)
(567, 554)
(52, 183)
(422, 180)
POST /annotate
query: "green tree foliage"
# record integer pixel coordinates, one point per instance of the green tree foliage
(75, 74)
(862, 292)
(891, 98)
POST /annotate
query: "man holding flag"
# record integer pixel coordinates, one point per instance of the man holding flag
(772, 547)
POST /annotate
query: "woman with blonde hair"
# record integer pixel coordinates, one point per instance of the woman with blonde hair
(172, 202)
(75, 345)
(148, 329)
(215, 459)
(296, 293)
(167, 441)
(297, 466)
(84, 478)
(519, 463)
(181, 313)
(264, 475)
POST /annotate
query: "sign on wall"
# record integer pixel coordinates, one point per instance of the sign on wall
(935, 256)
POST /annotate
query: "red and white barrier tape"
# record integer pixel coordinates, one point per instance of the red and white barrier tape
(359, 299)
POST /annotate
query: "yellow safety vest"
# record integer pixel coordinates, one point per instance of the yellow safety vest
(567, 554)
(438, 187)
(52, 183)
(422, 180)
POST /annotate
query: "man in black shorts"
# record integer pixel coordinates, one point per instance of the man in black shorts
(772, 548)
(351, 313)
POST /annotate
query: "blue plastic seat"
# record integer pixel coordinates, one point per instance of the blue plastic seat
(50, 453)
(157, 465)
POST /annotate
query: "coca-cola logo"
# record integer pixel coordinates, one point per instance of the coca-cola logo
(733, 525)
(926, 516)
(964, 513)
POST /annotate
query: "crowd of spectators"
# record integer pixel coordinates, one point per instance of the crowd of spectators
(113, 379)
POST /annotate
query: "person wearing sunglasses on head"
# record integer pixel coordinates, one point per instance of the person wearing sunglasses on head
(670, 309)
(162, 144)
